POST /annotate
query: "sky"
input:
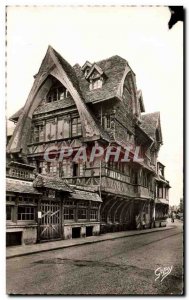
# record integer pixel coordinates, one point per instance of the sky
(138, 34)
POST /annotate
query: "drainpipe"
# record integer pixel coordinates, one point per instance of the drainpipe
(100, 179)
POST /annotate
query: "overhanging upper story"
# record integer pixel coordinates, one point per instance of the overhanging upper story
(75, 106)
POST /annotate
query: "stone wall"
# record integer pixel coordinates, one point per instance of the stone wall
(67, 229)
(29, 233)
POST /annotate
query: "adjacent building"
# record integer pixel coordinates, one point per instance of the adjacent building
(96, 105)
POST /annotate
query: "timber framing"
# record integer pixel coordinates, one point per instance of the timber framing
(96, 105)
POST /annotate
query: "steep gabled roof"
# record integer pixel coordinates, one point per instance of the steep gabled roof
(140, 99)
(16, 115)
(114, 68)
(51, 182)
(68, 69)
(10, 131)
(55, 65)
(94, 67)
(86, 64)
(150, 122)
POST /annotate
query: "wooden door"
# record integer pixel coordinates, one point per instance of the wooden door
(50, 223)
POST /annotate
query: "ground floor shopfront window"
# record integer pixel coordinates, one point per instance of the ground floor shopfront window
(26, 213)
(69, 213)
(9, 212)
(93, 214)
(80, 211)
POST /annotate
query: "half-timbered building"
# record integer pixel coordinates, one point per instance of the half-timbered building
(96, 104)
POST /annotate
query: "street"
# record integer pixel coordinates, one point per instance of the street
(123, 266)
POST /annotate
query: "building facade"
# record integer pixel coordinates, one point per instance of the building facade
(93, 106)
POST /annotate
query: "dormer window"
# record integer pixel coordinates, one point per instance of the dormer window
(95, 76)
(86, 68)
(86, 71)
(95, 83)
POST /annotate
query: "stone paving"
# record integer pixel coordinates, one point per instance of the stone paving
(16, 251)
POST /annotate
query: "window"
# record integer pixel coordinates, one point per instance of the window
(63, 130)
(94, 205)
(38, 133)
(153, 157)
(161, 171)
(69, 213)
(160, 192)
(20, 173)
(8, 212)
(39, 166)
(129, 137)
(144, 179)
(50, 130)
(82, 213)
(69, 202)
(76, 127)
(87, 71)
(134, 177)
(57, 92)
(106, 122)
(26, 213)
(77, 169)
(95, 84)
(166, 193)
(48, 167)
(93, 214)
(65, 168)
(103, 217)
(83, 203)
(127, 169)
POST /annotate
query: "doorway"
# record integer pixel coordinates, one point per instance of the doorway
(89, 231)
(50, 223)
(76, 232)
(13, 238)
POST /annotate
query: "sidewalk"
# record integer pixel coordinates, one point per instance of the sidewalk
(16, 251)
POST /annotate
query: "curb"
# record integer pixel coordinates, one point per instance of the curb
(85, 243)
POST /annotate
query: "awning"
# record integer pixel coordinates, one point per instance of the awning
(18, 164)
(162, 180)
(50, 182)
(20, 186)
(162, 201)
(83, 195)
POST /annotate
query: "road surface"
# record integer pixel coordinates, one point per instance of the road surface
(116, 267)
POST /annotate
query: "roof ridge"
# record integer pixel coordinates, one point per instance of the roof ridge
(108, 58)
(152, 113)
